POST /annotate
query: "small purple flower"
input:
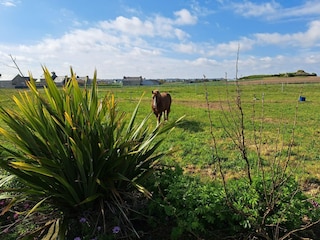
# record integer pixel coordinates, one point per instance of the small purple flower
(83, 220)
(314, 204)
(77, 238)
(2, 202)
(116, 229)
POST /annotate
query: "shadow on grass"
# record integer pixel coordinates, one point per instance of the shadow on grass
(191, 126)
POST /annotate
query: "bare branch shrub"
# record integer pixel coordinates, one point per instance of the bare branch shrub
(270, 175)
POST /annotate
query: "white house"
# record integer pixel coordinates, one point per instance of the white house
(60, 80)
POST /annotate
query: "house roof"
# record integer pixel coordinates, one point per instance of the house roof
(132, 78)
(59, 79)
(7, 77)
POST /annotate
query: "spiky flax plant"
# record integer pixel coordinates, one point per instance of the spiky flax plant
(77, 153)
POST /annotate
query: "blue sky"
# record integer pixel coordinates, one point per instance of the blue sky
(160, 39)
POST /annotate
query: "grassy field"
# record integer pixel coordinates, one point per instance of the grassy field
(271, 111)
(217, 193)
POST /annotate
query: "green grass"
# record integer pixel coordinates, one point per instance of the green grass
(192, 141)
(272, 113)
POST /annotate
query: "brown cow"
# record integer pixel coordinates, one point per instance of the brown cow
(161, 103)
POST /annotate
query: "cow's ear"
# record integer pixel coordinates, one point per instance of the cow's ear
(152, 91)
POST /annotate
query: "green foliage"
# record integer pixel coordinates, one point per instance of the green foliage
(265, 205)
(77, 152)
(188, 205)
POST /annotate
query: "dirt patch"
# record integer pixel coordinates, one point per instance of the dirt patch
(280, 80)
(203, 105)
(192, 104)
(311, 187)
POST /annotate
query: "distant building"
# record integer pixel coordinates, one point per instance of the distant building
(18, 81)
(132, 81)
(150, 82)
(60, 80)
(21, 82)
(83, 80)
(6, 81)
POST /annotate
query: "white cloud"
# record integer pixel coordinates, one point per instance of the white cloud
(200, 9)
(218, 50)
(9, 3)
(312, 58)
(274, 10)
(188, 48)
(163, 27)
(132, 26)
(230, 48)
(157, 26)
(273, 38)
(181, 35)
(308, 9)
(184, 17)
(200, 62)
(160, 47)
(276, 64)
(251, 9)
(302, 39)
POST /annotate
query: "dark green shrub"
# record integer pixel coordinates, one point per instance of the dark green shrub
(268, 206)
(189, 206)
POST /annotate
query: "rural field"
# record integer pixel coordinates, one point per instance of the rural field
(274, 104)
(257, 130)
